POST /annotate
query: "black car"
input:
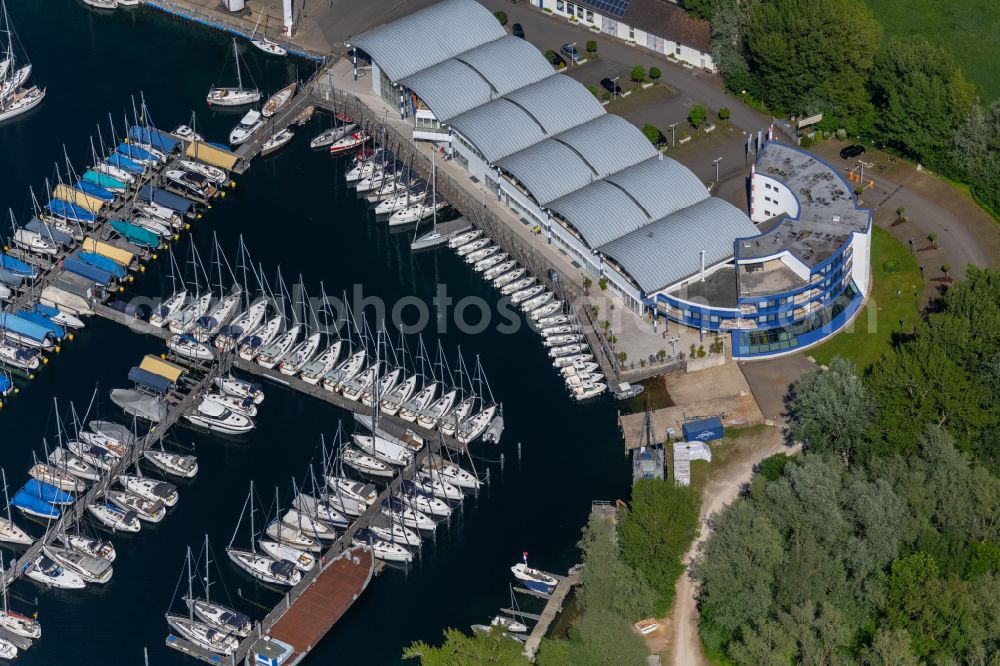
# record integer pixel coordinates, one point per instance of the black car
(611, 87)
(852, 151)
(517, 30)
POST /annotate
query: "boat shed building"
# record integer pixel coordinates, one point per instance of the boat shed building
(602, 194)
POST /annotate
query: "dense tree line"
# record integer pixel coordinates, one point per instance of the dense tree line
(803, 57)
(881, 544)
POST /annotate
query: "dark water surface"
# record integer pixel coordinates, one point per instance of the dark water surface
(292, 209)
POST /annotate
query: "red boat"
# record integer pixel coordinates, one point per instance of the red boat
(348, 143)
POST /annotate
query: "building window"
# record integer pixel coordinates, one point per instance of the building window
(631, 32)
(768, 213)
(654, 43)
(590, 16)
(579, 11)
(560, 5)
(461, 159)
(677, 51)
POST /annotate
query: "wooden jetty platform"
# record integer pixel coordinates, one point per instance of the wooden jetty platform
(552, 609)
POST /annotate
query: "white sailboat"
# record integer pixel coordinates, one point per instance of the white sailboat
(344, 372)
(265, 44)
(301, 354)
(273, 353)
(313, 371)
(279, 100)
(261, 567)
(10, 533)
(237, 96)
(252, 343)
(212, 613)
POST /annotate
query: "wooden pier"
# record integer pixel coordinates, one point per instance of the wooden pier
(552, 609)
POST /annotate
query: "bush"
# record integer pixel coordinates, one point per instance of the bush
(603, 283)
(591, 48)
(501, 16)
(806, 141)
(638, 73)
(655, 73)
(697, 116)
(592, 88)
(605, 96)
(653, 134)
(724, 115)
(772, 467)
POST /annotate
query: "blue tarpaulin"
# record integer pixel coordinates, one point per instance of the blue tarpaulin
(82, 269)
(149, 380)
(33, 505)
(16, 266)
(135, 234)
(101, 262)
(48, 231)
(47, 492)
(703, 430)
(168, 199)
(122, 162)
(70, 211)
(23, 327)
(136, 153)
(94, 190)
(42, 320)
(155, 138)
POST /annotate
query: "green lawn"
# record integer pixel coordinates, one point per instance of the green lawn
(894, 270)
(967, 27)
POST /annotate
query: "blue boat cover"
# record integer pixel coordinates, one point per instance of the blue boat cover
(136, 234)
(104, 180)
(94, 190)
(70, 211)
(10, 279)
(23, 500)
(6, 384)
(149, 380)
(16, 266)
(24, 327)
(168, 199)
(122, 162)
(47, 492)
(155, 138)
(134, 152)
(42, 320)
(48, 231)
(102, 262)
(220, 146)
(78, 267)
(46, 310)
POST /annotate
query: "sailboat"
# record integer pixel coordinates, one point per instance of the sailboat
(214, 614)
(276, 141)
(18, 624)
(9, 532)
(14, 100)
(197, 632)
(237, 96)
(265, 44)
(261, 567)
(279, 100)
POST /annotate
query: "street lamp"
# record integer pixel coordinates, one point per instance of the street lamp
(572, 54)
(673, 142)
(716, 163)
(614, 87)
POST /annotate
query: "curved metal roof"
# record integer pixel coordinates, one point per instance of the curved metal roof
(661, 186)
(600, 212)
(429, 36)
(668, 250)
(609, 143)
(449, 88)
(508, 63)
(548, 170)
(557, 103)
(498, 128)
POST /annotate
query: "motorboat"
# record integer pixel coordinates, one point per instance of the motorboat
(437, 486)
(475, 426)
(525, 294)
(272, 354)
(482, 253)
(114, 518)
(218, 418)
(366, 464)
(588, 390)
(264, 568)
(568, 349)
(20, 625)
(150, 511)
(549, 308)
(489, 262)
(464, 238)
(252, 344)
(553, 320)
(241, 388)
(383, 386)
(56, 477)
(302, 560)
(89, 545)
(579, 368)
(203, 635)
(493, 272)
(214, 174)
(508, 277)
(279, 100)
(382, 549)
(429, 416)
(558, 329)
(188, 347)
(176, 464)
(91, 569)
(299, 355)
(43, 570)
(538, 578)
(277, 141)
(562, 339)
(220, 617)
(313, 371)
(344, 372)
(162, 315)
(151, 489)
(471, 247)
(392, 401)
(420, 401)
(538, 301)
(564, 361)
(384, 450)
(245, 406)
(517, 285)
(186, 133)
(191, 183)
(246, 128)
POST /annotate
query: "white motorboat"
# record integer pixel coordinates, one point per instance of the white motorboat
(279, 100)
(186, 133)
(176, 464)
(246, 128)
(499, 269)
(162, 315)
(240, 388)
(20, 625)
(191, 183)
(567, 350)
(326, 137)
(482, 253)
(437, 486)
(302, 560)
(181, 320)
(564, 361)
(579, 368)
(366, 464)
(549, 308)
(554, 320)
(89, 545)
(292, 536)
(313, 371)
(150, 511)
(429, 416)
(114, 518)
(218, 418)
(382, 548)
(151, 489)
(345, 372)
(588, 390)
(320, 509)
(63, 318)
(469, 248)
(237, 96)
(489, 262)
(562, 339)
(203, 635)
(538, 301)
(508, 277)
(525, 294)
(54, 476)
(220, 617)
(7, 650)
(384, 450)
(353, 389)
(475, 426)
(214, 174)
(381, 387)
(420, 401)
(391, 403)
(299, 355)
(45, 571)
(277, 141)
(463, 238)
(558, 329)
(517, 285)
(242, 326)
(188, 347)
(270, 355)
(315, 529)
(34, 242)
(245, 406)
(252, 344)
(90, 568)
(265, 568)
(365, 493)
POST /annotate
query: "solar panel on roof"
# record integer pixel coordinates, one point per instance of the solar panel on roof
(612, 7)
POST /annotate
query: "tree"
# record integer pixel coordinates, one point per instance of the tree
(606, 639)
(655, 73)
(976, 153)
(591, 48)
(653, 134)
(697, 116)
(638, 73)
(460, 649)
(932, 237)
(831, 410)
(502, 17)
(587, 284)
(607, 582)
(813, 55)
(772, 467)
(724, 115)
(946, 269)
(622, 357)
(921, 97)
(703, 9)
(729, 46)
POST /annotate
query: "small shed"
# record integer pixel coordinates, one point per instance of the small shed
(703, 430)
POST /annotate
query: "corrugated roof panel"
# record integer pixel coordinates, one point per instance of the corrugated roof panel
(429, 36)
(558, 103)
(449, 88)
(668, 250)
(508, 63)
(609, 143)
(548, 170)
(600, 212)
(498, 128)
(661, 186)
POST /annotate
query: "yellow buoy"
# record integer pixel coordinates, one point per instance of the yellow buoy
(121, 290)
(208, 206)
(154, 257)
(222, 194)
(70, 336)
(31, 376)
(163, 356)
(17, 390)
(58, 349)
(232, 184)
(131, 278)
(142, 269)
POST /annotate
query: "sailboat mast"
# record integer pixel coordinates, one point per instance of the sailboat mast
(207, 584)
(236, 56)
(190, 587)
(6, 497)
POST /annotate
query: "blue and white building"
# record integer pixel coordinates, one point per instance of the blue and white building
(784, 277)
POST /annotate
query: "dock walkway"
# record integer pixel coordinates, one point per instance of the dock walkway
(552, 609)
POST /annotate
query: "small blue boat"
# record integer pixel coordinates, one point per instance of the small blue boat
(153, 137)
(135, 153)
(102, 262)
(47, 492)
(48, 231)
(70, 211)
(17, 267)
(122, 162)
(104, 180)
(34, 506)
(37, 318)
(94, 190)
(6, 384)
(135, 234)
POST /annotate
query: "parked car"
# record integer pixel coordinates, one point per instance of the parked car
(570, 50)
(517, 30)
(611, 86)
(853, 150)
